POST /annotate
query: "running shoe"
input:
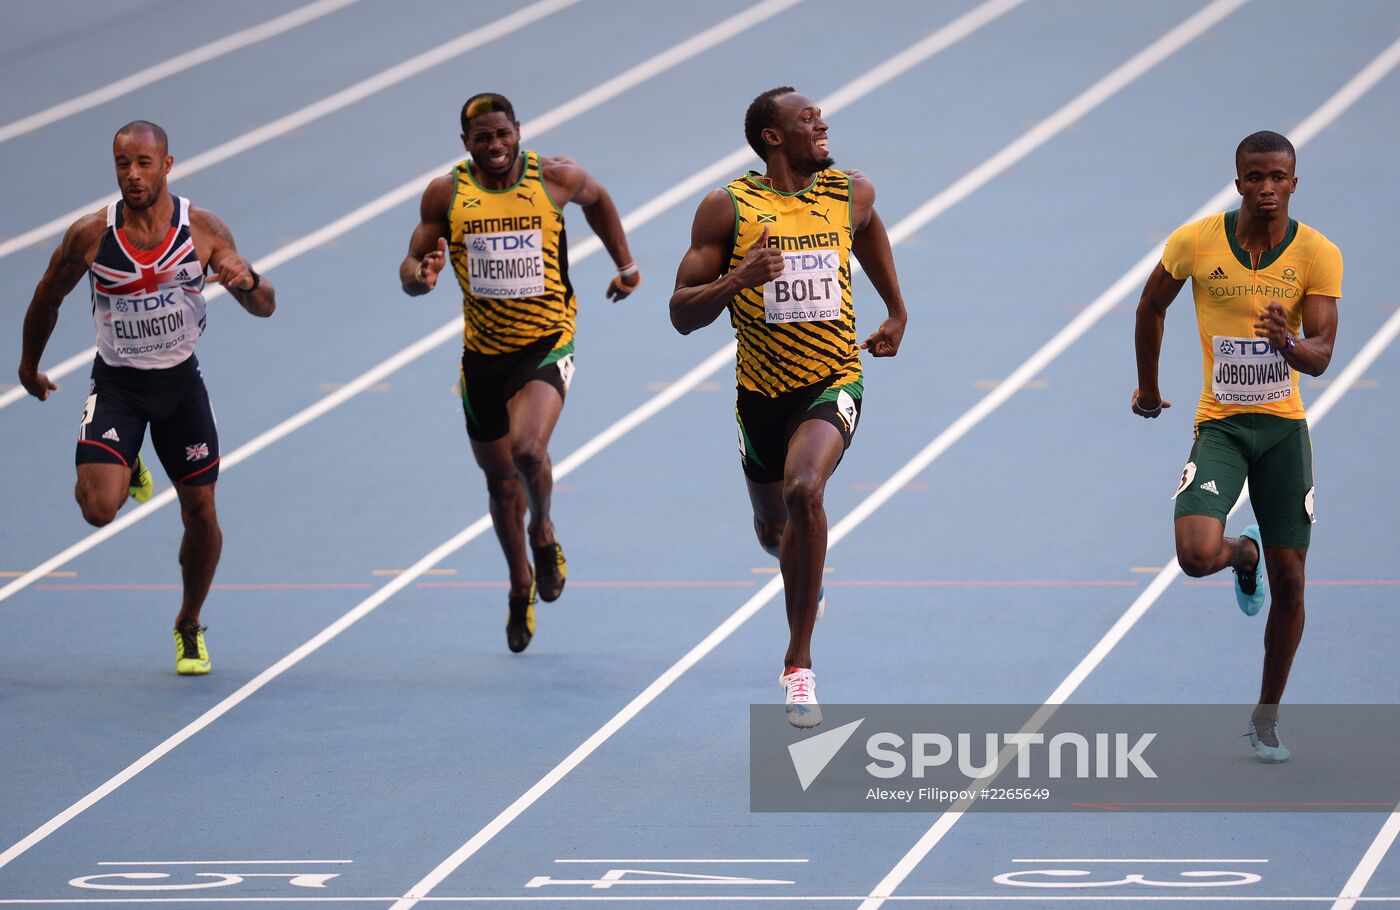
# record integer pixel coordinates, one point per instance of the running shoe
(1250, 591)
(1263, 736)
(821, 601)
(142, 484)
(520, 621)
(802, 708)
(191, 657)
(551, 571)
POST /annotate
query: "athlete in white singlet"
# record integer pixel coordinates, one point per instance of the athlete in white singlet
(146, 256)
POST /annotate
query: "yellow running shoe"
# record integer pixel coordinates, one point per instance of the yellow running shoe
(520, 621)
(191, 657)
(142, 484)
(551, 571)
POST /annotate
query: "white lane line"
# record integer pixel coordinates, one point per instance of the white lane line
(1135, 861)
(229, 862)
(177, 64)
(1345, 97)
(310, 113)
(938, 40)
(588, 101)
(703, 898)
(1116, 81)
(665, 860)
(1361, 875)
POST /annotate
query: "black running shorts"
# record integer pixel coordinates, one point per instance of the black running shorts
(173, 401)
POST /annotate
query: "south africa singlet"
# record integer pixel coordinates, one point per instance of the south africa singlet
(800, 328)
(510, 254)
(1243, 374)
(147, 305)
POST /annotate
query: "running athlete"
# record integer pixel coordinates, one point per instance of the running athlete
(774, 249)
(1266, 290)
(498, 218)
(146, 257)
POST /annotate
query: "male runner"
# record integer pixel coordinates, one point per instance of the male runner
(499, 217)
(146, 257)
(1266, 290)
(774, 249)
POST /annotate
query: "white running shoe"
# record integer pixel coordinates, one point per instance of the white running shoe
(802, 708)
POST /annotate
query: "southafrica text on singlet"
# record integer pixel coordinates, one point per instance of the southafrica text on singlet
(510, 254)
(147, 305)
(799, 328)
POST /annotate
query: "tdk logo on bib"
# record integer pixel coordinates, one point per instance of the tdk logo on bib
(508, 264)
(144, 304)
(1246, 347)
(500, 243)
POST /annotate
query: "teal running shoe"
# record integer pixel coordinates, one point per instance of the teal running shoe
(1250, 591)
(1263, 736)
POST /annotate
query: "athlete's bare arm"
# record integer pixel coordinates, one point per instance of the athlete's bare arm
(1159, 292)
(212, 237)
(703, 288)
(427, 248)
(67, 266)
(1312, 353)
(569, 182)
(871, 246)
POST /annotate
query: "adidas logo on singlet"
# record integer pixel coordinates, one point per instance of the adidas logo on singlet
(1218, 274)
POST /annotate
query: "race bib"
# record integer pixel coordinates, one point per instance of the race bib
(808, 290)
(1249, 371)
(148, 324)
(509, 264)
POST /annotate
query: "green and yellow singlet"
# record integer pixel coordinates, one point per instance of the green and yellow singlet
(510, 254)
(800, 328)
(1243, 374)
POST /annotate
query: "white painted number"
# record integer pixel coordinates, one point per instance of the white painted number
(224, 879)
(1054, 878)
(651, 877)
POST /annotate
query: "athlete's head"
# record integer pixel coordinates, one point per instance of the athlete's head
(141, 152)
(786, 122)
(1264, 165)
(490, 132)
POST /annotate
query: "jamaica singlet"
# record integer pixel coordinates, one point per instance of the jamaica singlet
(1243, 374)
(510, 254)
(147, 305)
(800, 328)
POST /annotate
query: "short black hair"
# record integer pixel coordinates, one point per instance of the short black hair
(145, 126)
(1264, 141)
(485, 103)
(763, 115)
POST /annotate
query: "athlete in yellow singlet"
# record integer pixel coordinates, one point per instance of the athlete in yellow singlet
(774, 250)
(498, 219)
(1266, 290)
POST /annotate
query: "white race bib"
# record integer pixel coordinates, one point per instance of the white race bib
(509, 264)
(808, 290)
(1249, 371)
